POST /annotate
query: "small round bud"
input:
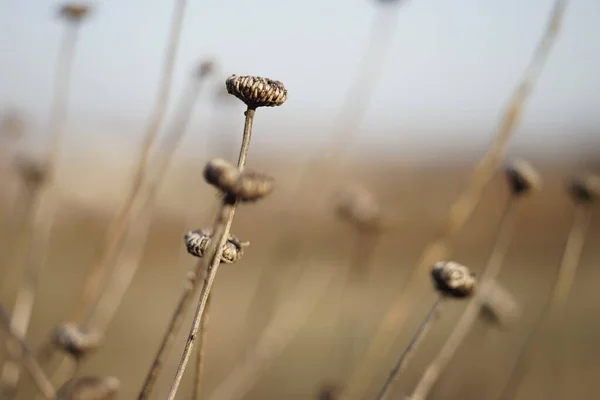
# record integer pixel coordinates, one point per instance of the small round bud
(198, 241)
(522, 177)
(585, 188)
(89, 388)
(453, 279)
(498, 306)
(34, 172)
(256, 91)
(205, 68)
(359, 207)
(74, 12)
(221, 174)
(252, 186)
(71, 339)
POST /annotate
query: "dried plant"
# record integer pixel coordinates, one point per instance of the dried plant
(584, 192)
(451, 280)
(522, 179)
(459, 213)
(89, 388)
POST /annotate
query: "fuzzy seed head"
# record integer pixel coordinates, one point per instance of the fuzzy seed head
(522, 177)
(453, 279)
(74, 12)
(198, 241)
(499, 306)
(252, 186)
(221, 174)
(33, 171)
(73, 340)
(356, 205)
(256, 91)
(89, 388)
(585, 188)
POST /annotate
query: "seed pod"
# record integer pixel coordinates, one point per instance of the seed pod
(499, 306)
(252, 186)
(453, 279)
(73, 340)
(585, 188)
(359, 207)
(74, 12)
(34, 172)
(198, 241)
(89, 388)
(522, 177)
(221, 174)
(256, 91)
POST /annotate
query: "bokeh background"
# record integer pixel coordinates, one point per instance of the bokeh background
(449, 69)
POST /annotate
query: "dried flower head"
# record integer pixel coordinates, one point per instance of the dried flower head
(356, 205)
(329, 391)
(453, 279)
(585, 188)
(499, 306)
(74, 12)
(206, 68)
(522, 177)
(89, 388)
(252, 186)
(221, 174)
(33, 171)
(198, 241)
(256, 91)
(75, 341)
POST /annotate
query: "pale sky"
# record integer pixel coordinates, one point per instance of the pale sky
(451, 68)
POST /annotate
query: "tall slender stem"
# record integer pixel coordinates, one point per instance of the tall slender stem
(200, 353)
(471, 312)
(212, 259)
(555, 303)
(410, 349)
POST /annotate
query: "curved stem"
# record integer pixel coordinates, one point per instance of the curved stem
(212, 260)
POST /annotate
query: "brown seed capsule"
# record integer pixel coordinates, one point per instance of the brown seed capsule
(75, 12)
(221, 174)
(522, 177)
(256, 91)
(252, 186)
(499, 306)
(73, 340)
(34, 172)
(585, 188)
(453, 279)
(89, 388)
(198, 241)
(359, 207)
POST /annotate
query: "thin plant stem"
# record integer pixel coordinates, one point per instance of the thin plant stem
(471, 312)
(212, 259)
(26, 357)
(200, 353)
(93, 284)
(459, 214)
(561, 288)
(44, 218)
(409, 350)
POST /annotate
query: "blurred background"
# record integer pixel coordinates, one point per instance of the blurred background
(436, 78)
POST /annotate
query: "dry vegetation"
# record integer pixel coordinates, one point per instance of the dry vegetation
(343, 292)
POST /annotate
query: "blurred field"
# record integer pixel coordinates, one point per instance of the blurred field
(416, 197)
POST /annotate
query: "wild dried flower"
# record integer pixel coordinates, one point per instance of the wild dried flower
(359, 207)
(453, 279)
(255, 91)
(198, 241)
(498, 306)
(221, 174)
(246, 186)
(76, 341)
(75, 12)
(584, 188)
(89, 388)
(522, 177)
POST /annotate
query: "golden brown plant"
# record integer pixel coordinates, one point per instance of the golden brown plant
(459, 213)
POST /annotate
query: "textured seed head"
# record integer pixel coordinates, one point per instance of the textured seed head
(12, 126)
(330, 391)
(198, 241)
(221, 174)
(356, 205)
(33, 171)
(522, 177)
(252, 186)
(499, 306)
(89, 388)
(75, 341)
(206, 68)
(453, 279)
(74, 12)
(256, 91)
(585, 188)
